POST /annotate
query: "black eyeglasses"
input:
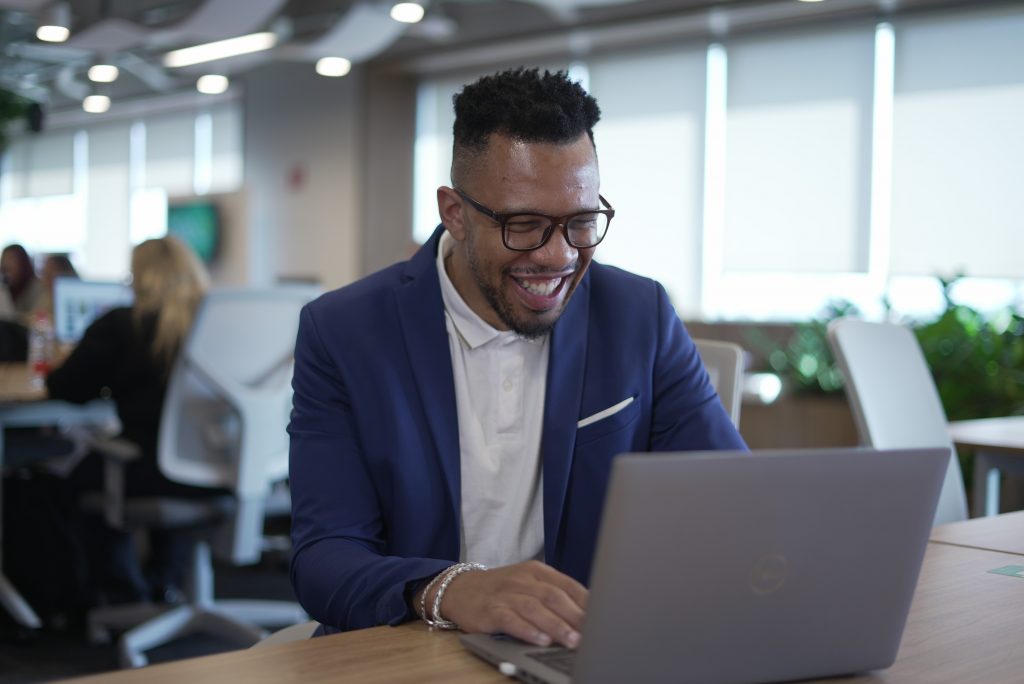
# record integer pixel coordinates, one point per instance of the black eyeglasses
(527, 232)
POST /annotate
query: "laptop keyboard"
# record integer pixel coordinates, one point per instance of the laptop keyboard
(560, 659)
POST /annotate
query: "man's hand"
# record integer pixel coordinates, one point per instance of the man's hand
(530, 601)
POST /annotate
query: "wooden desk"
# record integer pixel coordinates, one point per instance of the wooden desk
(998, 444)
(964, 625)
(1003, 533)
(21, 405)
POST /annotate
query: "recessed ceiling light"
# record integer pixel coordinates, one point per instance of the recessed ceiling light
(103, 73)
(53, 34)
(333, 66)
(811, 0)
(220, 49)
(96, 104)
(212, 84)
(407, 12)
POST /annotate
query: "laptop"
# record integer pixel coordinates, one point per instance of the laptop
(77, 303)
(740, 568)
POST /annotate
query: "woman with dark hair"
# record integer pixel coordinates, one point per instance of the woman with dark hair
(19, 275)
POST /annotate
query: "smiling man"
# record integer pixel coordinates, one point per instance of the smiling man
(455, 416)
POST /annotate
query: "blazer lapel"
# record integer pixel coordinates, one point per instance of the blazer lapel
(562, 408)
(421, 314)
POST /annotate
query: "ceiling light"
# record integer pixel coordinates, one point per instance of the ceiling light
(333, 66)
(212, 84)
(407, 12)
(103, 73)
(221, 49)
(812, 0)
(53, 34)
(96, 104)
(55, 26)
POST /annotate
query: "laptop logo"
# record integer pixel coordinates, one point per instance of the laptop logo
(769, 574)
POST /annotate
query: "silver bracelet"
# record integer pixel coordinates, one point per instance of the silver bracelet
(451, 573)
(426, 590)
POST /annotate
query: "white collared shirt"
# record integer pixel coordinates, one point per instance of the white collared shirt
(500, 380)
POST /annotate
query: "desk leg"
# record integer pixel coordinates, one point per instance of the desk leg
(986, 485)
(10, 598)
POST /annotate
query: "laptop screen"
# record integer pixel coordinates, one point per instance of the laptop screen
(77, 303)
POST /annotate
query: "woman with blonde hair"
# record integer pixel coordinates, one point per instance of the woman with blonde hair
(129, 352)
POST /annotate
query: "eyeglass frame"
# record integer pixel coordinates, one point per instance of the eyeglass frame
(563, 221)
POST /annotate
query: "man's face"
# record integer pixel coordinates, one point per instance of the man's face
(521, 291)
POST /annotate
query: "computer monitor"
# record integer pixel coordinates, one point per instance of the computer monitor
(77, 303)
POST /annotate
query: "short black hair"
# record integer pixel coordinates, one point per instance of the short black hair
(523, 104)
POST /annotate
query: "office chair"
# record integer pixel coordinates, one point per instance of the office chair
(893, 398)
(724, 363)
(223, 426)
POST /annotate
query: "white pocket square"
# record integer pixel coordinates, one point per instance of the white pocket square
(600, 415)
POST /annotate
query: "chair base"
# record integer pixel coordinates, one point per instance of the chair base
(151, 625)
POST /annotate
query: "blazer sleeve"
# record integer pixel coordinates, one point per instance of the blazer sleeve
(687, 413)
(341, 570)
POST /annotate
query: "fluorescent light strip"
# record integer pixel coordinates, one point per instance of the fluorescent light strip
(221, 49)
(714, 178)
(881, 155)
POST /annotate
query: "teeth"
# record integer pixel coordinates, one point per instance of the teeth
(543, 288)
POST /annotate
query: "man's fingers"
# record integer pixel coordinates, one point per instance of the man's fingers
(536, 612)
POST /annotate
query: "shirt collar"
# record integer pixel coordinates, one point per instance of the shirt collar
(474, 331)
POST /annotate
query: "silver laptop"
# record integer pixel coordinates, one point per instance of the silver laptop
(728, 567)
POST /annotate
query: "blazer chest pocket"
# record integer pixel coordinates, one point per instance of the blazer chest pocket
(607, 421)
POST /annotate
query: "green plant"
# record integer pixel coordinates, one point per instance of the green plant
(805, 362)
(977, 360)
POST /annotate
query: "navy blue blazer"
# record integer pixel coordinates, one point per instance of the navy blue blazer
(375, 442)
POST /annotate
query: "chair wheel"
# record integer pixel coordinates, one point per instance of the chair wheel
(98, 634)
(131, 659)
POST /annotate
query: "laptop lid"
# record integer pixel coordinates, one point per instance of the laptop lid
(728, 567)
(77, 303)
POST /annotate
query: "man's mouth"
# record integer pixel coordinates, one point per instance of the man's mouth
(541, 288)
(541, 293)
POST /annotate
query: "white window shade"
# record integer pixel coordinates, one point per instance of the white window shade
(170, 150)
(650, 150)
(798, 153)
(958, 146)
(226, 163)
(43, 165)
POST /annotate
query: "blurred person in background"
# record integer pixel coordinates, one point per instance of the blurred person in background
(129, 352)
(19, 275)
(54, 266)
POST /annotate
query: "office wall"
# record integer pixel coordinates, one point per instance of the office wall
(388, 143)
(303, 175)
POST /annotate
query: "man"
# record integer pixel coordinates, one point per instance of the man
(466, 405)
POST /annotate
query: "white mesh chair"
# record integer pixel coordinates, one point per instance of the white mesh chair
(724, 363)
(893, 398)
(223, 426)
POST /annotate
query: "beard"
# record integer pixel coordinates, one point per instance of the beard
(528, 327)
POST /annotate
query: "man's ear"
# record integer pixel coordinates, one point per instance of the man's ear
(449, 206)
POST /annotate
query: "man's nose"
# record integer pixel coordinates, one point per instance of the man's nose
(555, 254)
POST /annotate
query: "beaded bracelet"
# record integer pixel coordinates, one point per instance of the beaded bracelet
(451, 573)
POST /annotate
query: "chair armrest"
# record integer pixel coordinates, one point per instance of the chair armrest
(117, 454)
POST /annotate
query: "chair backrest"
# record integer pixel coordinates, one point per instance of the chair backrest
(893, 398)
(724, 363)
(226, 410)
